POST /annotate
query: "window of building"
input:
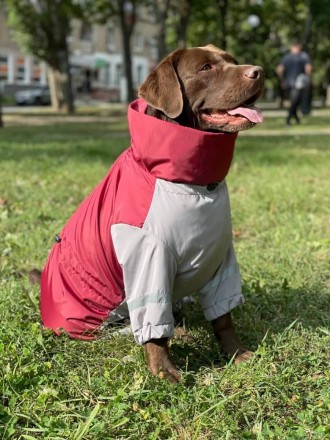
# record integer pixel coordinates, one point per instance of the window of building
(153, 46)
(36, 76)
(36, 71)
(86, 32)
(3, 68)
(20, 69)
(138, 41)
(111, 39)
(152, 13)
(118, 75)
(139, 74)
(20, 72)
(107, 78)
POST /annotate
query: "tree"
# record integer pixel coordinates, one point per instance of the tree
(162, 8)
(223, 9)
(1, 121)
(183, 10)
(174, 18)
(127, 17)
(42, 27)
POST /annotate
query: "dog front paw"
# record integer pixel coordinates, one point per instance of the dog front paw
(159, 362)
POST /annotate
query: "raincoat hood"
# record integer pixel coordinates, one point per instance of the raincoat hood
(176, 153)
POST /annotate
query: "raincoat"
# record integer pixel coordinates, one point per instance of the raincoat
(154, 230)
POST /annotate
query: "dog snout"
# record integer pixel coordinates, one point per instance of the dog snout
(254, 72)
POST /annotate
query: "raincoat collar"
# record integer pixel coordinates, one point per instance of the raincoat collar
(176, 153)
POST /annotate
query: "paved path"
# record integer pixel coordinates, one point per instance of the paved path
(288, 131)
(38, 116)
(28, 119)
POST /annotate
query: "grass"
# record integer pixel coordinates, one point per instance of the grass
(56, 388)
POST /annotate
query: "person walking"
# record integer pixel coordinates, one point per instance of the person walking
(294, 71)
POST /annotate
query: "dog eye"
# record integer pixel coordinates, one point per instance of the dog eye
(206, 67)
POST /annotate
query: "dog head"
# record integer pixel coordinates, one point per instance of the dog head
(204, 88)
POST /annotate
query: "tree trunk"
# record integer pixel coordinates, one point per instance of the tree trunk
(128, 66)
(60, 74)
(183, 23)
(162, 14)
(223, 6)
(127, 22)
(60, 84)
(308, 26)
(1, 121)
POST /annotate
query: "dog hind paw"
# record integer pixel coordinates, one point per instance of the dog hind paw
(245, 356)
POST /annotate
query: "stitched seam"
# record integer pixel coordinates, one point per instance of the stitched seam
(238, 294)
(188, 195)
(205, 192)
(163, 243)
(154, 325)
(154, 235)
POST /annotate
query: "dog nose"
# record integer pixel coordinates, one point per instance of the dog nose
(253, 72)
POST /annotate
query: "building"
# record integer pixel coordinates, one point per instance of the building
(17, 70)
(97, 60)
(95, 56)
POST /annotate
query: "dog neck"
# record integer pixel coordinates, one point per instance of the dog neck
(187, 118)
(178, 153)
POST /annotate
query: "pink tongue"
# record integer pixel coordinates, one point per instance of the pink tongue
(253, 114)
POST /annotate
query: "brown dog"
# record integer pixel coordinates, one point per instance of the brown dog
(201, 88)
(166, 206)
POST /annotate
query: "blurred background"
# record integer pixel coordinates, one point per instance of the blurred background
(88, 57)
(63, 51)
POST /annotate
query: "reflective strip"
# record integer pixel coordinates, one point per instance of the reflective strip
(143, 301)
(226, 273)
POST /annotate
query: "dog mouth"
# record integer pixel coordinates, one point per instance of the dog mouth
(235, 119)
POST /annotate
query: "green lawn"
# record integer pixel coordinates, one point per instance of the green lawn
(57, 388)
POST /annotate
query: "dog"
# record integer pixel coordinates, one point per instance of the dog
(157, 228)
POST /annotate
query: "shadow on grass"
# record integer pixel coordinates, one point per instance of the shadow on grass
(266, 315)
(270, 310)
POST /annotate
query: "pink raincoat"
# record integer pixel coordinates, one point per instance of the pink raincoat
(82, 280)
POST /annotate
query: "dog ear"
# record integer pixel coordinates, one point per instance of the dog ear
(162, 89)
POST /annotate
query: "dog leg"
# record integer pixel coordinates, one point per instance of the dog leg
(159, 361)
(229, 342)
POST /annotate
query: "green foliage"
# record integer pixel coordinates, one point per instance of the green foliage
(57, 388)
(100, 10)
(34, 22)
(281, 21)
(41, 27)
